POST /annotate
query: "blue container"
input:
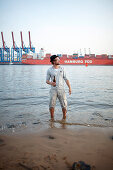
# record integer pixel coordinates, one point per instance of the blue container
(60, 55)
(81, 56)
(75, 57)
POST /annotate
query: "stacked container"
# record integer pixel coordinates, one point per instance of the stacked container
(92, 55)
(24, 56)
(70, 56)
(48, 55)
(64, 56)
(75, 55)
(104, 56)
(98, 56)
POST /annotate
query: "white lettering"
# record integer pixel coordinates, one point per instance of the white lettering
(74, 61)
(88, 61)
(71, 61)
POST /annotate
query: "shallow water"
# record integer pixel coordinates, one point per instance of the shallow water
(24, 97)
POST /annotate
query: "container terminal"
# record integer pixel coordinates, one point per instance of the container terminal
(27, 55)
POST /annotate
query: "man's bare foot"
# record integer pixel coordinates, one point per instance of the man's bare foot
(64, 120)
(52, 120)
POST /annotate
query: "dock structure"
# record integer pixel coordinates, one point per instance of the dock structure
(15, 52)
(23, 47)
(4, 52)
(31, 48)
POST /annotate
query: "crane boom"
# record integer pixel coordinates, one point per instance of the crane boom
(30, 40)
(3, 40)
(13, 40)
(21, 40)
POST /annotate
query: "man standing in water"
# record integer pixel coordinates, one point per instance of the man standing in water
(55, 77)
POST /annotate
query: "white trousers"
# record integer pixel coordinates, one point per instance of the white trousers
(60, 94)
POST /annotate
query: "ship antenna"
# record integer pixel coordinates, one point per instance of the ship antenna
(85, 51)
(89, 52)
(80, 52)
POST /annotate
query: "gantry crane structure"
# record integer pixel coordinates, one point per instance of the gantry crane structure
(31, 48)
(4, 52)
(15, 52)
(23, 47)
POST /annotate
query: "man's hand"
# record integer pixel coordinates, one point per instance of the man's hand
(69, 91)
(53, 83)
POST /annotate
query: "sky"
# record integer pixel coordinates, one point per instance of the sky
(59, 26)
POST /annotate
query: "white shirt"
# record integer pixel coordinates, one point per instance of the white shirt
(59, 74)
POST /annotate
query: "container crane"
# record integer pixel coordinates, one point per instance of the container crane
(15, 52)
(25, 49)
(4, 51)
(32, 49)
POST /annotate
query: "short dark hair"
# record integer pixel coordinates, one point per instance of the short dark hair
(52, 58)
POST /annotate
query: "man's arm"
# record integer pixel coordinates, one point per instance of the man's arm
(48, 79)
(51, 83)
(68, 84)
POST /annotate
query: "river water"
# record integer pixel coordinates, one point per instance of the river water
(24, 97)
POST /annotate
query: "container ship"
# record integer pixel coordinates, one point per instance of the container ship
(75, 59)
(15, 55)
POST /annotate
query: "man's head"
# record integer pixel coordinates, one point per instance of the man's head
(54, 59)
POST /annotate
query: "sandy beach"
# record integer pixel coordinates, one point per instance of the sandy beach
(57, 148)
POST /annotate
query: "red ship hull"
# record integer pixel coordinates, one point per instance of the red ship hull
(79, 61)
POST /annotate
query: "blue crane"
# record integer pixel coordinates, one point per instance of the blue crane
(24, 48)
(15, 52)
(4, 52)
(32, 49)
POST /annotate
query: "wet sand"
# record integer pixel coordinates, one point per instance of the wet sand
(57, 149)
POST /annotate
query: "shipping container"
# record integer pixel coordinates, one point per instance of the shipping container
(81, 56)
(70, 56)
(75, 55)
(92, 55)
(24, 56)
(104, 56)
(64, 55)
(48, 55)
(60, 55)
(98, 56)
(87, 56)
(29, 56)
